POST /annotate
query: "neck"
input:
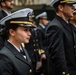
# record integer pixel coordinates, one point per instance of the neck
(8, 10)
(15, 42)
(63, 16)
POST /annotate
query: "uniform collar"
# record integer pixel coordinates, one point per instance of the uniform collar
(18, 49)
(42, 25)
(64, 23)
(6, 12)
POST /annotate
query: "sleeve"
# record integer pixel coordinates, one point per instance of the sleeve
(40, 37)
(55, 42)
(6, 67)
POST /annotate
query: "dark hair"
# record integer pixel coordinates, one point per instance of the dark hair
(1, 2)
(57, 4)
(8, 27)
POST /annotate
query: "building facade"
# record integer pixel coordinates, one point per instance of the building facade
(31, 2)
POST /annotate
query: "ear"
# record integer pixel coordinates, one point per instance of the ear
(12, 32)
(3, 3)
(60, 7)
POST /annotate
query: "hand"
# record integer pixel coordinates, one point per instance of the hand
(43, 56)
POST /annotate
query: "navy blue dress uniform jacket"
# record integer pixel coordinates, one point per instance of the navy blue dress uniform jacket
(60, 41)
(2, 14)
(13, 63)
(41, 37)
(33, 47)
(74, 35)
(42, 44)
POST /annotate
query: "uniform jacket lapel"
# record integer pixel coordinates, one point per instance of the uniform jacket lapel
(66, 25)
(16, 53)
(27, 56)
(40, 28)
(4, 13)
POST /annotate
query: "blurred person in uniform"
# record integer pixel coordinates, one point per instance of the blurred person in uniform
(14, 58)
(43, 23)
(6, 8)
(72, 21)
(60, 41)
(32, 48)
(73, 18)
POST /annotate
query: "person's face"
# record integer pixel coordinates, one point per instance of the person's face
(74, 17)
(44, 21)
(67, 10)
(9, 4)
(21, 35)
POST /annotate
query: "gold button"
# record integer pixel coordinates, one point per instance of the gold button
(74, 46)
(34, 49)
(33, 44)
(33, 40)
(30, 70)
(68, 74)
(36, 39)
(63, 73)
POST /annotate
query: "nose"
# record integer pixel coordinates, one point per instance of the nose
(29, 33)
(12, 2)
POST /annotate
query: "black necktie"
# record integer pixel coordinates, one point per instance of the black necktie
(22, 52)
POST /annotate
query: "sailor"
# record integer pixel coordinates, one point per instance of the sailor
(14, 59)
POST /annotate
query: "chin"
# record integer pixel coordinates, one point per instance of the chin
(27, 42)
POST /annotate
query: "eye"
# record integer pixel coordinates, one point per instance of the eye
(27, 29)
